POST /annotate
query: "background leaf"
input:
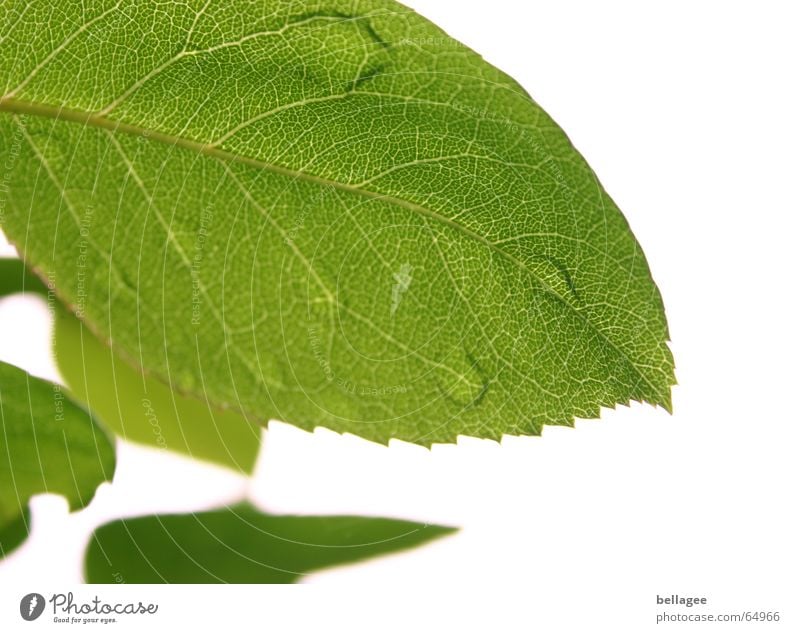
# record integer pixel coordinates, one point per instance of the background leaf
(14, 532)
(241, 545)
(136, 407)
(15, 277)
(142, 409)
(330, 218)
(48, 444)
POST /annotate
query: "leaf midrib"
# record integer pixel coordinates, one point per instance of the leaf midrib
(59, 113)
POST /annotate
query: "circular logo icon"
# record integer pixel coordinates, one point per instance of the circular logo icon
(31, 606)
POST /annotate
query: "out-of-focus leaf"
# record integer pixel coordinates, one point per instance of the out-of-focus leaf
(13, 533)
(240, 544)
(142, 409)
(136, 407)
(48, 444)
(15, 277)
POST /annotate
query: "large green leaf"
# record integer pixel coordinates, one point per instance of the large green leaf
(241, 545)
(48, 444)
(137, 407)
(322, 214)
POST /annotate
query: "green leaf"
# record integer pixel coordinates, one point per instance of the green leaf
(48, 444)
(13, 533)
(142, 409)
(241, 545)
(327, 217)
(15, 277)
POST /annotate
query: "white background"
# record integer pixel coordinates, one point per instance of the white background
(689, 113)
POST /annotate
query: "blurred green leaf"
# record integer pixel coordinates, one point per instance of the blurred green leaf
(13, 533)
(48, 444)
(137, 407)
(142, 409)
(15, 277)
(240, 544)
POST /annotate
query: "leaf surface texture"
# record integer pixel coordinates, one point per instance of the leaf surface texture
(325, 213)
